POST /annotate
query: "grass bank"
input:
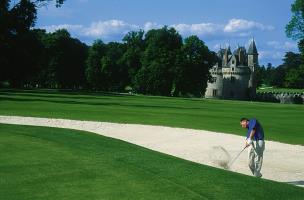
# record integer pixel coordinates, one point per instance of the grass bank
(49, 163)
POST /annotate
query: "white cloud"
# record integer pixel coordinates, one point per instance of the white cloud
(234, 28)
(239, 29)
(197, 29)
(107, 28)
(218, 46)
(238, 25)
(69, 27)
(151, 25)
(114, 30)
(276, 55)
(286, 46)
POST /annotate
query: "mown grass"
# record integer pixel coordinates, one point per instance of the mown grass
(281, 122)
(50, 163)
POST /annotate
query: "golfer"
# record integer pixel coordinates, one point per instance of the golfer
(255, 144)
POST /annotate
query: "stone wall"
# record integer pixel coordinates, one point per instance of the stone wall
(280, 97)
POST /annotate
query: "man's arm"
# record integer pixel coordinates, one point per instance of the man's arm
(249, 139)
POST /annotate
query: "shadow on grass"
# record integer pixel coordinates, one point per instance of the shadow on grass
(60, 94)
(299, 183)
(17, 99)
(98, 94)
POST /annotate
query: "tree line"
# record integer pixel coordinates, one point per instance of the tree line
(290, 74)
(158, 62)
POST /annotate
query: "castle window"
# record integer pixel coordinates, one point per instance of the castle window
(212, 80)
(214, 93)
(232, 61)
(232, 68)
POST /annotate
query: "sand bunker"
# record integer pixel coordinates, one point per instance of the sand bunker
(220, 157)
(282, 162)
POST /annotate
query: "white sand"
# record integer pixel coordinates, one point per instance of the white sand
(282, 162)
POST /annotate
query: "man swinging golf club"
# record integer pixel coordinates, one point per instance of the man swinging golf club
(255, 144)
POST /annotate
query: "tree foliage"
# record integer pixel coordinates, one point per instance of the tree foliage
(295, 27)
(294, 62)
(93, 65)
(295, 78)
(157, 62)
(159, 58)
(19, 46)
(289, 74)
(192, 70)
(114, 72)
(131, 58)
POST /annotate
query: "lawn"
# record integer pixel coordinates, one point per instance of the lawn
(283, 123)
(50, 163)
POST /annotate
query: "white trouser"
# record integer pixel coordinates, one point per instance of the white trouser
(255, 157)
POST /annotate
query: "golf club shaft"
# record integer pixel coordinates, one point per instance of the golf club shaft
(236, 157)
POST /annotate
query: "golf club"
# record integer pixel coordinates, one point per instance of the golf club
(233, 160)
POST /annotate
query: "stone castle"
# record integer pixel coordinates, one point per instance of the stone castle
(233, 75)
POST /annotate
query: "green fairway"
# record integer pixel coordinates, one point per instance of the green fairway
(281, 122)
(50, 163)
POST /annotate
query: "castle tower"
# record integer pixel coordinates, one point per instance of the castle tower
(226, 56)
(252, 64)
(241, 55)
(233, 76)
(252, 54)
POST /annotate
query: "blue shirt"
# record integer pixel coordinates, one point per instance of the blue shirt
(259, 132)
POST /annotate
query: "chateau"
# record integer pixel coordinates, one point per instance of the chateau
(233, 75)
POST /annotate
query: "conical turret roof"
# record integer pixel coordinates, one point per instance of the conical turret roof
(252, 50)
(229, 50)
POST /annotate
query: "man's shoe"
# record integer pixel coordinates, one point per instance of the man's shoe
(258, 174)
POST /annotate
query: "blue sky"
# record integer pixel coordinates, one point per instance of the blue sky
(217, 22)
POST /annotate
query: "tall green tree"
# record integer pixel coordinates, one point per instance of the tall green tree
(158, 62)
(93, 65)
(295, 27)
(65, 61)
(295, 78)
(277, 76)
(293, 66)
(135, 46)
(4, 39)
(192, 72)
(260, 75)
(17, 41)
(113, 71)
(294, 62)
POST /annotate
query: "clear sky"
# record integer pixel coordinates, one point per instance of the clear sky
(217, 22)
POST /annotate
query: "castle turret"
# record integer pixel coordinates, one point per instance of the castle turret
(226, 56)
(241, 55)
(252, 64)
(233, 76)
(252, 54)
